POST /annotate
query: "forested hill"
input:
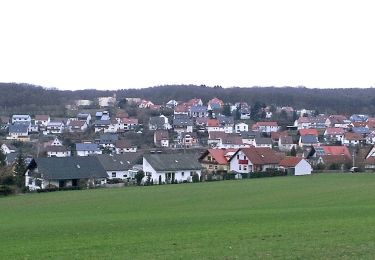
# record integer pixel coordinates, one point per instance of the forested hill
(344, 101)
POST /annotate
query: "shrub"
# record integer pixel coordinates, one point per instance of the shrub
(5, 190)
(7, 180)
(195, 177)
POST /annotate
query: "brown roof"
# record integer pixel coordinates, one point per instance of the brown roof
(121, 144)
(161, 134)
(218, 154)
(286, 140)
(260, 155)
(353, 136)
(335, 131)
(290, 161)
(77, 123)
(217, 135)
(55, 148)
(213, 122)
(42, 117)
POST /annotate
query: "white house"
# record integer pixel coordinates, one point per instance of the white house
(168, 168)
(8, 148)
(295, 166)
(19, 132)
(54, 128)
(120, 166)
(241, 127)
(86, 149)
(254, 159)
(42, 120)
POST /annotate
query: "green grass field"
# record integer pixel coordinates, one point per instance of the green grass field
(311, 217)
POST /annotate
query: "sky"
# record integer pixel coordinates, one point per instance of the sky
(78, 44)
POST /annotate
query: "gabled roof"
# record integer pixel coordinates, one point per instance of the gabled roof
(290, 161)
(123, 144)
(309, 139)
(219, 155)
(108, 138)
(232, 139)
(212, 122)
(173, 162)
(180, 122)
(225, 120)
(87, 147)
(263, 140)
(198, 109)
(77, 123)
(56, 149)
(353, 136)
(361, 130)
(217, 135)
(119, 162)
(334, 131)
(66, 168)
(259, 124)
(18, 128)
(286, 139)
(102, 122)
(161, 134)
(310, 131)
(42, 117)
(260, 155)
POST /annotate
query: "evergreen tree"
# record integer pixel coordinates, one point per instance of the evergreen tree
(293, 152)
(226, 110)
(20, 170)
(2, 158)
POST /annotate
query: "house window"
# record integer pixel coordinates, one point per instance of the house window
(182, 174)
(244, 157)
(30, 181)
(113, 175)
(215, 167)
(209, 158)
(238, 156)
(210, 166)
(239, 167)
(245, 167)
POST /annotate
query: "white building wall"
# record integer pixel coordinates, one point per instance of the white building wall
(303, 168)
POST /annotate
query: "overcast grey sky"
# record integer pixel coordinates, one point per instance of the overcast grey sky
(129, 44)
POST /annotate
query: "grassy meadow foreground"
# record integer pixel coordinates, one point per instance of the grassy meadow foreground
(319, 216)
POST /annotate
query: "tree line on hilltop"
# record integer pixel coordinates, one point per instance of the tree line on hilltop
(15, 97)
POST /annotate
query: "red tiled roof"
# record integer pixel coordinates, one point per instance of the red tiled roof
(353, 136)
(266, 124)
(311, 131)
(336, 150)
(161, 134)
(217, 135)
(130, 121)
(121, 144)
(212, 122)
(290, 161)
(181, 109)
(335, 131)
(218, 155)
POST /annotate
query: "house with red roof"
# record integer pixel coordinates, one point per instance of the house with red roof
(216, 159)
(330, 155)
(309, 131)
(337, 121)
(254, 159)
(295, 166)
(213, 125)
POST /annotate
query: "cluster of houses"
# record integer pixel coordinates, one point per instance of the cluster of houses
(197, 140)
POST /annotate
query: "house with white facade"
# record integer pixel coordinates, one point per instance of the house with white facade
(295, 166)
(26, 119)
(86, 149)
(241, 127)
(169, 168)
(124, 146)
(54, 127)
(266, 127)
(19, 132)
(254, 159)
(119, 166)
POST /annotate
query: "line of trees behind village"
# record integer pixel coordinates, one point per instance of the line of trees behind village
(21, 98)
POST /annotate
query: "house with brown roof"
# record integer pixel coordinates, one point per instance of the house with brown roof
(353, 139)
(161, 138)
(124, 146)
(214, 160)
(334, 134)
(42, 120)
(254, 159)
(295, 166)
(285, 143)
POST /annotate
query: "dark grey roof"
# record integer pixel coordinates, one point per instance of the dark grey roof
(119, 162)
(286, 139)
(102, 122)
(173, 162)
(66, 168)
(263, 140)
(249, 134)
(181, 122)
(198, 109)
(157, 121)
(18, 128)
(87, 147)
(225, 120)
(108, 138)
(309, 139)
(361, 130)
